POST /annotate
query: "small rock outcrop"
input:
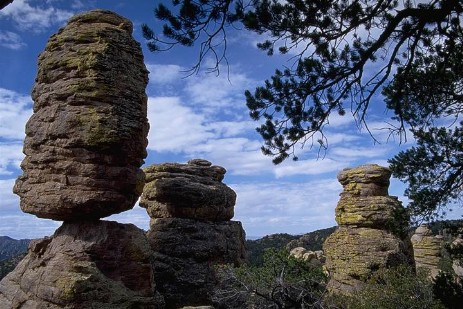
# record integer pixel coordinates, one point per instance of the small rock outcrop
(87, 138)
(84, 146)
(314, 258)
(371, 230)
(427, 249)
(190, 229)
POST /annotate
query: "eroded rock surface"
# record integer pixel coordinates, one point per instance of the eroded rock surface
(372, 229)
(99, 264)
(427, 249)
(194, 190)
(87, 138)
(190, 230)
(186, 253)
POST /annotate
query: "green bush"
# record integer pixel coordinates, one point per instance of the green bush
(281, 282)
(393, 288)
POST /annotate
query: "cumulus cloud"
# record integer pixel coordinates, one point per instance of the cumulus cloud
(36, 16)
(15, 110)
(173, 126)
(165, 74)
(11, 40)
(284, 207)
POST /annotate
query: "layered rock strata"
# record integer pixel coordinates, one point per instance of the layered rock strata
(190, 229)
(87, 137)
(427, 249)
(100, 264)
(371, 227)
(84, 147)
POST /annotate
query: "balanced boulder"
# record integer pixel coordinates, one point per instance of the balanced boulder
(87, 137)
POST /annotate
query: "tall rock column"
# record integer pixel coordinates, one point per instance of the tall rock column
(372, 225)
(84, 146)
(427, 249)
(190, 230)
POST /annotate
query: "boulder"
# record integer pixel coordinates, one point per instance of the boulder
(93, 264)
(193, 190)
(87, 137)
(365, 180)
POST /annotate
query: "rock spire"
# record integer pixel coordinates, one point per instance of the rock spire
(372, 225)
(190, 230)
(84, 147)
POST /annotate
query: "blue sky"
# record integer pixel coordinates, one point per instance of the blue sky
(202, 116)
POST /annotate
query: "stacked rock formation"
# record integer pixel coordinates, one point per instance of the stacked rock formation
(427, 249)
(87, 138)
(84, 147)
(372, 225)
(190, 229)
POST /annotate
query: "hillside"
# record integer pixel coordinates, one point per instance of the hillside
(10, 247)
(311, 241)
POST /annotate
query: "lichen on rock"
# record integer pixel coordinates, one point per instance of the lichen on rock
(371, 233)
(87, 137)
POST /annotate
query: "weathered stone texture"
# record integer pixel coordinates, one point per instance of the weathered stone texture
(190, 232)
(192, 190)
(99, 264)
(353, 254)
(186, 253)
(371, 233)
(427, 249)
(87, 138)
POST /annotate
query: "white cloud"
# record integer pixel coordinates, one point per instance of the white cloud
(310, 167)
(353, 152)
(165, 74)
(34, 16)
(11, 40)
(15, 110)
(224, 91)
(11, 157)
(9, 200)
(283, 207)
(174, 127)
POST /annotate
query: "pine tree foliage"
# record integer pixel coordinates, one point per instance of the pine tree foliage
(348, 54)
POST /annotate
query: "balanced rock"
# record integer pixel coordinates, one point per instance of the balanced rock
(194, 190)
(365, 180)
(99, 264)
(365, 201)
(87, 137)
(190, 230)
(371, 233)
(427, 249)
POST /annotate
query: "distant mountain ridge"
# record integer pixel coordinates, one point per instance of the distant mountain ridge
(10, 247)
(311, 241)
